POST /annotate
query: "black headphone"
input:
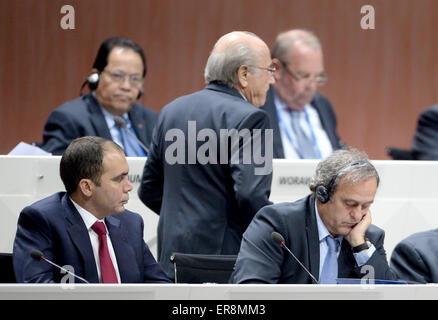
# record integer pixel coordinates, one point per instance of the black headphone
(93, 82)
(323, 192)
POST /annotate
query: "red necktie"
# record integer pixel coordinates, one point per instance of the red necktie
(106, 265)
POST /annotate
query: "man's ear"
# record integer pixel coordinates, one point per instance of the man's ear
(278, 65)
(86, 187)
(242, 76)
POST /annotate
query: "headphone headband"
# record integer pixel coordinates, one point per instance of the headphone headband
(323, 192)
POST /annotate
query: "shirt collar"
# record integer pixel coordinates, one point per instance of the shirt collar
(88, 218)
(322, 229)
(281, 106)
(109, 117)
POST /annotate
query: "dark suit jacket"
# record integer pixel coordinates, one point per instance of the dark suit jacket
(262, 260)
(83, 117)
(203, 208)
(326, 115)
(425, 143)
(54, 226)
(415, 259)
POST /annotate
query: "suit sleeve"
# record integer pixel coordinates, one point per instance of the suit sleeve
(152, 272)
(59, 132)
(252, 179)
(33, 232)
(260, 259)
(378, 261)
(408, 264)
(150, 190)
(425, 140)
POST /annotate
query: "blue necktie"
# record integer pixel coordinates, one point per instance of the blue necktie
(303, 142)
(329, 271)
(130, 145)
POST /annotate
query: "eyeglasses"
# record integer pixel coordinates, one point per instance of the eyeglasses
(118, 77)
(320, 79)
(271, 70)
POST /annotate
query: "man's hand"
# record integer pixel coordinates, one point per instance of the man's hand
(357, 234)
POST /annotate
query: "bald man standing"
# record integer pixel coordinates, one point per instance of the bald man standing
(209, 169)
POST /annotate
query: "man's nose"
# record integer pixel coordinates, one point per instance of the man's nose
(128, 186)
(357, 213)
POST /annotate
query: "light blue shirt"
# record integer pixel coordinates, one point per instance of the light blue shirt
(113, 128)
(311, 125)
(361, 257)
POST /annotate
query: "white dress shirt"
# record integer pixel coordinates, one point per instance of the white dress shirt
(89, 219)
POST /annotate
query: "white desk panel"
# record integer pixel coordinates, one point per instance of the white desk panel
(406, 201)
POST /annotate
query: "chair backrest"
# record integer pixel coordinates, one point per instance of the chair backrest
(400, 154)
(6, 268)
(202, 268)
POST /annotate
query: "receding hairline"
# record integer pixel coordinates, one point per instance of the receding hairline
(286, 42)
(237, 37)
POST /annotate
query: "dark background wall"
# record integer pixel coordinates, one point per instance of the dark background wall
(379, 80)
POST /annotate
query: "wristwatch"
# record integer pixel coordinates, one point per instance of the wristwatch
(364, 246)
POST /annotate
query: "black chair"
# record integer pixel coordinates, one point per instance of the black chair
(6, 268)
(202, 268)
(400, 154)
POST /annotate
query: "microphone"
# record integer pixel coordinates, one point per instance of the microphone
(39, 256)
(122, 124)
(280, 240)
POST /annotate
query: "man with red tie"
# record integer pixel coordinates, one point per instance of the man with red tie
(86, 229)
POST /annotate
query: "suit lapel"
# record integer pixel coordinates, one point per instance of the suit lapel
(123, 251)
(139, 124)
(97, 118)
(79, 236)
(323, 116)
(312, 237)
(346, 261)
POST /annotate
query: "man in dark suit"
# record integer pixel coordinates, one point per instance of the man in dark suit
(415, 259)
(329, 231)
(204, 175)
(303, 121)
(115, 83)
(87, 229)
(425, 143)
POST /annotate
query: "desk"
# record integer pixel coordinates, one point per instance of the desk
(215, 292)
(406, 201)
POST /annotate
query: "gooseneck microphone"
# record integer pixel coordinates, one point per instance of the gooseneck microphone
(122, 124)
(280, 240)
(39, 256)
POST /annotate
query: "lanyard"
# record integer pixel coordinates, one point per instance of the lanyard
(290, 136)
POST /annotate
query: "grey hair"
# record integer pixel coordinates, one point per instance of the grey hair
(222, 66)
(338, 165)
(286, 41)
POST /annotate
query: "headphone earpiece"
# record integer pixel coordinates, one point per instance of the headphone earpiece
(93, 81)
(322, 194)
(140, 93)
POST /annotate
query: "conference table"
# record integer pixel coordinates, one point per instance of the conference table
(406, 202)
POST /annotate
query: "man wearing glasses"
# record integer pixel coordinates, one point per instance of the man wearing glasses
(205, 206)
(303, 121)
(110, 110)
